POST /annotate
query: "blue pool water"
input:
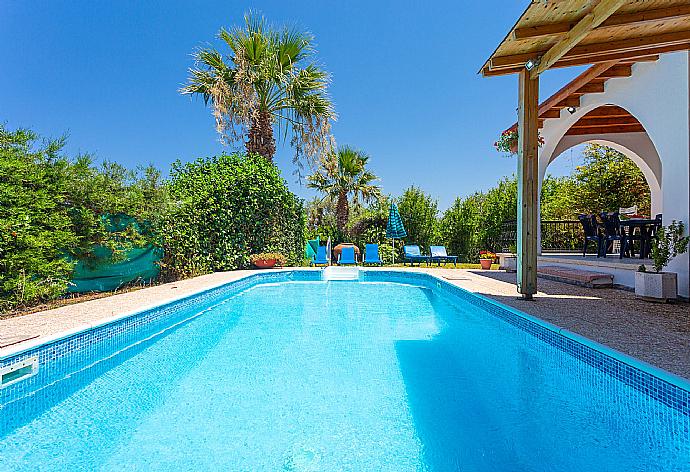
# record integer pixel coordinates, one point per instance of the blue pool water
(308, 375)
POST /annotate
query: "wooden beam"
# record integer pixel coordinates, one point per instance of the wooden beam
(550, 105)
(528, 184)
(641, 55)
(638, 55)
(580, 81)
(631, 45)
(589, 122)
(607, 111)
(597, 87)
(551, 113)
(623, 70)
(625, 49)
(605, 130)
(614, 21)
(599, 14)
(568, 102)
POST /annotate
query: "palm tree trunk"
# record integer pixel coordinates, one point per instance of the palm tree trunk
(261, 139)
(342, 210)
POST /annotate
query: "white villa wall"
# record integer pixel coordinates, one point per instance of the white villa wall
(658, 95)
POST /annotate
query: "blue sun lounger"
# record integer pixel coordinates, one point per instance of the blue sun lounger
(347, 256)
(413, 254)
(371, 256)
(321, 257)
(439, 254)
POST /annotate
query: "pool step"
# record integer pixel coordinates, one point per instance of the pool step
(340, 273)
(583, 278)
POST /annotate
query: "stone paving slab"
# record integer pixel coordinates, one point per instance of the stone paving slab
(655, 333)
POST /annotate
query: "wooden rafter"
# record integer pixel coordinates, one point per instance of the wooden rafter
(605, 130)
(603, 10)
(592, 80)
(644, 45)
(641, 55)
(614, 21)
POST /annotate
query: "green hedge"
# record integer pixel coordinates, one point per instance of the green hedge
(226, 208)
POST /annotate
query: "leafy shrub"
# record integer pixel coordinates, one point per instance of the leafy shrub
(668, 244)
(458, 228)
(34, 226)
(224, 209)
(53, 212)
(419, 212)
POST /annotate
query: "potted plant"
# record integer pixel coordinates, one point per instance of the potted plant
(267, 260)
(658, 285)
(486, 258)
(508, 142)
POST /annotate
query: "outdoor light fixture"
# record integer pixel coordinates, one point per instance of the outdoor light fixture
(571, 110)
(532, 63)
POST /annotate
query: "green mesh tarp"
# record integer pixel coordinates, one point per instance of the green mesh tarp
(100, 274)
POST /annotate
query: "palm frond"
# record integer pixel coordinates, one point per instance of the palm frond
(265, 73)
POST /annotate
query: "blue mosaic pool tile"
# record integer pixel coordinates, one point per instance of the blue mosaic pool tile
(645, 382)
(86, 347)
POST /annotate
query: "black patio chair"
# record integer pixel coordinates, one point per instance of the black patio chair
(590, 226)
(651, 235)
(612, 232)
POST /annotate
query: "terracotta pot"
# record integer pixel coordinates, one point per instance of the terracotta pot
(265, 263)
(514, 148)
(486, 263)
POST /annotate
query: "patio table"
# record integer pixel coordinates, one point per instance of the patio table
(646, 225)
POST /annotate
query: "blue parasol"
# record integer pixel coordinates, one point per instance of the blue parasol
(395, 228)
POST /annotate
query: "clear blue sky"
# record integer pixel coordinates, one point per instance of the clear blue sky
(405, 82)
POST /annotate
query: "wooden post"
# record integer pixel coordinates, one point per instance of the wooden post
(528, 182)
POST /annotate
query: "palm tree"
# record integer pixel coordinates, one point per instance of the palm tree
(266, 79)
(343, 175)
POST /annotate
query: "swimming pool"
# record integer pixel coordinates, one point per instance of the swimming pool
(283, 371)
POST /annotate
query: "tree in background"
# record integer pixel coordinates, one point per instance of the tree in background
(368, 226)
(344, 176)
(419, 212)
(558, 198)
(608, 180)
(459, 224)
(268, 78)
(34, 225)
(476, 222)
(225, 209)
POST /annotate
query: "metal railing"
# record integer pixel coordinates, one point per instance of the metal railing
(556, 235)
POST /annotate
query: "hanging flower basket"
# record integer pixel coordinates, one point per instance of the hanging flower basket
(508, 142)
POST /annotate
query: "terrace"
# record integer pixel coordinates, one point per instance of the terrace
(632, 49)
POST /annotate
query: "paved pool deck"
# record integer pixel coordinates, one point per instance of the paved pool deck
(658, 334)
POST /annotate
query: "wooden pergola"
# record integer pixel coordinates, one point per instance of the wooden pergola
(611, 35)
